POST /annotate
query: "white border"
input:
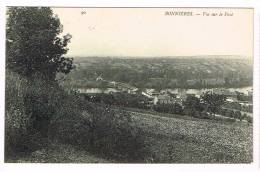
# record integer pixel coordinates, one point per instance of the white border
(255, 166)
(134, 3)
(256, 90)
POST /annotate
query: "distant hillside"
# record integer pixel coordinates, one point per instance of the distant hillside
(174, 72)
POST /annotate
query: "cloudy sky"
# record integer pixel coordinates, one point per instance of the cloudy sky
(149, 32)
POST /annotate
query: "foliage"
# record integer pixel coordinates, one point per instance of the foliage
(34, 56)
(243, 97)
(33, 43)
(119, 99)
(249, 119)
(99, 130)
(115, 135)
(213, 101)
(39, 111)
(58, 153)
(169, 108)
(238, 106)
(193, 106)
(29, 108)
(161, 73)
(16, 120)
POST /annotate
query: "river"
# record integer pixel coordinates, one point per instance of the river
(244, 90)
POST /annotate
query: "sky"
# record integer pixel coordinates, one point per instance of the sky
(148, 32)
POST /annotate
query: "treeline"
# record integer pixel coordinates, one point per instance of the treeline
(119, 99)
(206, 107)
(165, 73)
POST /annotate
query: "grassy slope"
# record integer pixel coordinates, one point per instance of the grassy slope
(196, 141)
(172, 140)
(58, 153)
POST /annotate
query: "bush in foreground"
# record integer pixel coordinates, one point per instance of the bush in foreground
(30, 105)
(100, 130)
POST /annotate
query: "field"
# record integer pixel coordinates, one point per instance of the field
(196, 140)
(169, 140)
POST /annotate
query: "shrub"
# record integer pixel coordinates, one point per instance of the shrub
(68, 125)
(38, 112)
(115, 135)
(169, 108)
(249, 119)
(99, 130)
(30, 104)
(16, 120)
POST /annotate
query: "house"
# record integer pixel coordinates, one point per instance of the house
(177, 100)
(163, 99)
(152, 92)
(231, 99)
(225, 92)
(90, 90)
(113, 83)
(146, 94)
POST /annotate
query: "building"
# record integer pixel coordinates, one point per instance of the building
(146, 94)
(163, 99)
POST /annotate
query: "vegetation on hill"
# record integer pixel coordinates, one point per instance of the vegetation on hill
(161, 73)
(39, 112)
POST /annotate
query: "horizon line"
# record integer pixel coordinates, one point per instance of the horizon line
(175, 56)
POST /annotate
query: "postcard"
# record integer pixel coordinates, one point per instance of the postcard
(129, 85)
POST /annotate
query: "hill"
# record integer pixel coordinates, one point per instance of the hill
(160, 73)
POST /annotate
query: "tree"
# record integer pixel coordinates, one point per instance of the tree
(193, 106)
(33, 43)
(213, 101)
(238, 115)
(35, 51)
(177, 108)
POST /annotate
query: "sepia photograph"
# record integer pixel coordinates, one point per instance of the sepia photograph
(129, 85)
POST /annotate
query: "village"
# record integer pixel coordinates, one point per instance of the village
(236, 100)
